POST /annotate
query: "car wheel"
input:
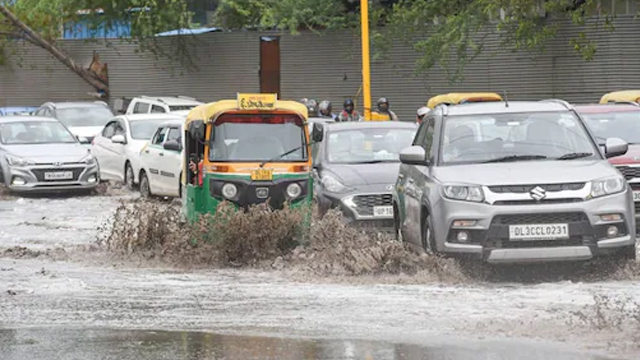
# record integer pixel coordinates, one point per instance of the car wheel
(396, 224)
(145, 189)
(428, 238)
(1, 176)
(128, 176)
(627, 253)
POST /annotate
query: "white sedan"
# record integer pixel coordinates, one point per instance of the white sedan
(162, 161)
(117, 148)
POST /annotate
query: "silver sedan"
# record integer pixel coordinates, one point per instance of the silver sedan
(39, 154)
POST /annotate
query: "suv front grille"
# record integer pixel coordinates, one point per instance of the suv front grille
(543, 218)
(365, 203)
(520, 189)
(629, 172)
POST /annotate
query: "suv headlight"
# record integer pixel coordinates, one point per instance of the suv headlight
(608, 186)
(332, 184)
(464, 193)
(18, 161)
(89, 159)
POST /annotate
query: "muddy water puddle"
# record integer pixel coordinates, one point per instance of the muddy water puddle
(106, 344)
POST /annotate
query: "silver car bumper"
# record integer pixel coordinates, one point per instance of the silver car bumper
(35, 179)
(489, 236)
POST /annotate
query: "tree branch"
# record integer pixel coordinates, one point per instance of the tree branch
(38, 40)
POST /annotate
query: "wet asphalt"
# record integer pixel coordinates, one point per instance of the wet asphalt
(74, 308)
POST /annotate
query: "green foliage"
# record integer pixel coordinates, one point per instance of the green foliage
(147, 18)
(448, 33)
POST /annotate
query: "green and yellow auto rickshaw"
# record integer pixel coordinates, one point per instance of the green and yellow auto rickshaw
(247, 151)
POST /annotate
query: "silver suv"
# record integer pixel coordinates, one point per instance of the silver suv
(513, 182)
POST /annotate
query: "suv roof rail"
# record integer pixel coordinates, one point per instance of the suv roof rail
(101, 102)
(559, 101)
(186, 97)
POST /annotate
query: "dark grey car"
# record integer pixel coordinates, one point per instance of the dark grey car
(356, 166)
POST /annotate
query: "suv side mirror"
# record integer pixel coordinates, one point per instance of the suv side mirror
(317, 134)
(615, 147)
(83, 140)
(172, 145)
(413, 155)
(118, 139)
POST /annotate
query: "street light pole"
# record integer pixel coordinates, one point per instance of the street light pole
(366, 70)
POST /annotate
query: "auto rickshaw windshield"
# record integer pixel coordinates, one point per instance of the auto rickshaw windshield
(254, 138)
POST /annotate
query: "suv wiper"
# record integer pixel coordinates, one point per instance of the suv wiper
(515, 158)
(283, 155)
(576, 155)
(372, 161)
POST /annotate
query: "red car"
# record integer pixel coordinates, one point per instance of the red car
(621, 121)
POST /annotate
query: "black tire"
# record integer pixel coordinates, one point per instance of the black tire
(396, 224)
(129, 179)
(180, 186)
(1, 176)
(627, 253)
(145, 188)
(428, 238)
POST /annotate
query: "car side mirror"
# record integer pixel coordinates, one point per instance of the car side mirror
(413, 155)
(615, 147)
(172, 145)
(317, 134)
(118, 139)
(83, 140)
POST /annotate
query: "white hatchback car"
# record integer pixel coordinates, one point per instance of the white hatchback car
(117, 148)
(162, 161)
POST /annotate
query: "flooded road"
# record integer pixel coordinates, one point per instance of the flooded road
(39, 344)
(59, 294)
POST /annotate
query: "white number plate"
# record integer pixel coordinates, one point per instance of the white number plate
(58, 175)
(636, 196)
(539, 232)
(383, 211)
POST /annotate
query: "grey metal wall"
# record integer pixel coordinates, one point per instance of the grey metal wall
(328, 67)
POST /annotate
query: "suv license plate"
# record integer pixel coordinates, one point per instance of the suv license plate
(636, 195)
(58, 175)
(383, 211)
(539, 232)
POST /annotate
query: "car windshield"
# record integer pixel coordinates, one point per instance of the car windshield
(366, 145)
(258, 138)
(515, 137)
(144, 129)
(84, 116)
(623, 125)
(35, 132)
(181, 107)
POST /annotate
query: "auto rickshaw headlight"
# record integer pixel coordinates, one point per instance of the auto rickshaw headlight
(229, 190)
(294, 190)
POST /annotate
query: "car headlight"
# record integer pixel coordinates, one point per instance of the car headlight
(89, 159)
(464, 193)
(332, 184)
(608, 186)
(18, 161)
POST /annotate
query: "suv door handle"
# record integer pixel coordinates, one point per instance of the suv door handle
(161, 154)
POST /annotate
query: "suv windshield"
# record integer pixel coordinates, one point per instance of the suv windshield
(35, 132)
(515, 137)
(367, 145)
(623, 125)
(84, 116)
(257, 138)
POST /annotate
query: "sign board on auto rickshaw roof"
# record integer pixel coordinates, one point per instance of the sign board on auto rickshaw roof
(209, 112)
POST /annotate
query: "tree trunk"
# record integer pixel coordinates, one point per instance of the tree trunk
(35, 38)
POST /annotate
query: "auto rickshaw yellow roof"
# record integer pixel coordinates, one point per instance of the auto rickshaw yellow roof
(211, 111)
(457, 98)
(624, 95)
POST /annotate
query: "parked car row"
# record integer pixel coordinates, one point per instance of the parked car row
(74, 145)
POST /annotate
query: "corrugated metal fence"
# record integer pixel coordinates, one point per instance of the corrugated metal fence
(328, 67)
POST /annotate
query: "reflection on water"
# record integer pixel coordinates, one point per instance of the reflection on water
(41, 344)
